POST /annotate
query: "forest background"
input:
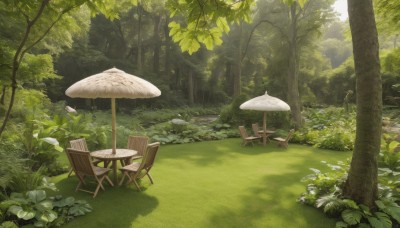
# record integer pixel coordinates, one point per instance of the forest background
(253, 57)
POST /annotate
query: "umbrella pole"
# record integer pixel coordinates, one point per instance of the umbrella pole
(265, 128)
(113, 133)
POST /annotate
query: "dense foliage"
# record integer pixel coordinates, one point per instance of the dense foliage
(324, 191)
(328, 128)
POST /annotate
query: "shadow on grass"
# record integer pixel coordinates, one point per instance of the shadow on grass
(119, 206)
(272, 203)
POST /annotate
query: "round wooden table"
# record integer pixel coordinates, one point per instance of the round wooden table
(107, 156)
(265, 135)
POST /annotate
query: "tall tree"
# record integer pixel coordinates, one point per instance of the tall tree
(362, 181)
(295, 24)
(34, 20)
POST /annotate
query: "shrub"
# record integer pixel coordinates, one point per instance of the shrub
(330, 128)
(36, 208)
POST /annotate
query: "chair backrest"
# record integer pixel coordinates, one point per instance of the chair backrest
(290, 135)
(138, 143)
(254, 126)
(149, 156)
(81, 161)
(79, 144)
(243, 132)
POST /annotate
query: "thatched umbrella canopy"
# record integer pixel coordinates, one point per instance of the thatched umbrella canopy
(266, 104)
(113, 83)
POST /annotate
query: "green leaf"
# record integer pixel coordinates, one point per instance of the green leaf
(393, 145)
(351, 217)
(380, 204)
(48, 216)
(45, 205)
(69, 201)
(394, 212)
(302, 2)
(385, 219)
(36, 196)
(223, 24)
(209, 42)
(50, 140)
(80, 208)
(58, 148)
(341, 224)
(21, 213)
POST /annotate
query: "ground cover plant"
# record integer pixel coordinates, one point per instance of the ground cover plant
(212, 184)
(324, 191)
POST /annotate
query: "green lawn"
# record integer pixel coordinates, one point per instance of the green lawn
(212, 184)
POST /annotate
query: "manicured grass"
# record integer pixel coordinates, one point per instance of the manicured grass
(212, 184)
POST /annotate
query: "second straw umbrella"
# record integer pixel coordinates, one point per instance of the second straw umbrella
(265, 103)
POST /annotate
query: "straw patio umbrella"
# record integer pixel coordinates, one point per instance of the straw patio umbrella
(266, 104)
(113, 83)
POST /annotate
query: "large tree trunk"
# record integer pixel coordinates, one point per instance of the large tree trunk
(293, 78)
(361, 184)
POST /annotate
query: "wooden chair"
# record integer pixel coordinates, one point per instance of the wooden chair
(138, 170)
(82, 165)
(255, 128)
(246, 138)
(138, 143)
(284, 142)
(80, 144)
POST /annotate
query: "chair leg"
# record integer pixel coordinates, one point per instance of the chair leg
(97, 189)
(151, 179)
(70, 172)
(137, 185)
(78, 186)
(122, 179)
(109, 181)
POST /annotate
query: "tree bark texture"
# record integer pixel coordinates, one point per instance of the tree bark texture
(293, 78)
(361, 184)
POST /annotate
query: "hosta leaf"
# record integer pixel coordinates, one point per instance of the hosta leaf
(21, 213)
(45, 205)
(36, 196)
(48, 216)
(80, 209)
(351, 217)
(69, 201)
(341, 224)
